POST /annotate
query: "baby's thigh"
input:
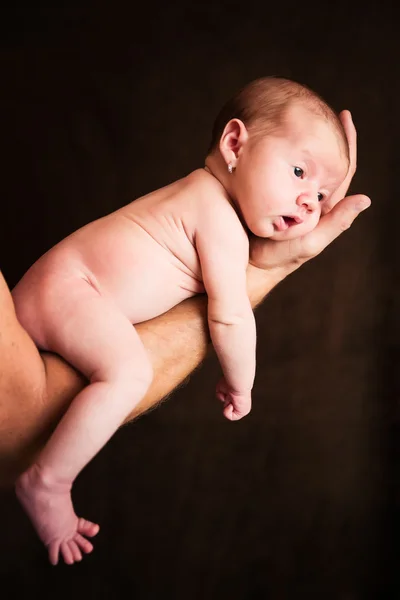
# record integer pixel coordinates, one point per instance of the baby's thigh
(91, 332)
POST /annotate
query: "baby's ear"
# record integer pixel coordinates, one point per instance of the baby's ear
(233, 139)
(244, 136)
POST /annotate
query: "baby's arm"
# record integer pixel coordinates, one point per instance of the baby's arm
(223, 250)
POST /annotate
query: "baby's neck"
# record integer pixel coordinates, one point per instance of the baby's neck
(217, 172)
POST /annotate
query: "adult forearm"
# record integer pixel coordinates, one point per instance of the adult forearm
(177, 342)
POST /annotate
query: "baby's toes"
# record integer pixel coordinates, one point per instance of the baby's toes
(66, 553)
(54, 550)
(87, 528)
(83, 543)
(76, 553)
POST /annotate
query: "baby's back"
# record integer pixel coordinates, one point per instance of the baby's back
(143, 256)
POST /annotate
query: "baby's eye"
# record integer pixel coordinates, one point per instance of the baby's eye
(320, 196)
(298, 172)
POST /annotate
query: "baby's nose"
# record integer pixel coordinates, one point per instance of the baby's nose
(308, 200)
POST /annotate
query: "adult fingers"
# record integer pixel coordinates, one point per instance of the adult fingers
(333, 224)
(351, 135)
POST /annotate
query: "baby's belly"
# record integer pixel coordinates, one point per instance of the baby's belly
(142, 278)
(144, 295)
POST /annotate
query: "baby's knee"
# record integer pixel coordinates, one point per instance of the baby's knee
(135, 375)
(145, 374)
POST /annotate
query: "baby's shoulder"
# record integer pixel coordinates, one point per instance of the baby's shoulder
(210, 198)
(215, 217)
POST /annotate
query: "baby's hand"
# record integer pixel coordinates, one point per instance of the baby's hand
(236, 404)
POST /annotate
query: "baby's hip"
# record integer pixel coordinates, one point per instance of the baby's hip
(41, 293)
(138, 288)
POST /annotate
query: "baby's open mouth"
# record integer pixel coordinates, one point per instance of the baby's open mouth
(289, 221)
(284, 222)
(292, 220)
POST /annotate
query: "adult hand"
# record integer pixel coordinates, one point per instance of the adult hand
(286, 256)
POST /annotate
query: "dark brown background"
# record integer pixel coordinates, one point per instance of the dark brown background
(300, 500)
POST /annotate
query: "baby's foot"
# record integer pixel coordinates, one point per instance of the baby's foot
(49, 506)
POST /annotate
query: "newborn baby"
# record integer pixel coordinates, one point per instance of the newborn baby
(277, 155)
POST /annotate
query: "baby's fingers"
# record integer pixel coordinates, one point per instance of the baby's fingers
(237, 407)
(228, 412)
(234, 414)
(221, 396)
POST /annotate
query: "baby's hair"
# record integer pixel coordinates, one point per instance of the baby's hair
(263, 103)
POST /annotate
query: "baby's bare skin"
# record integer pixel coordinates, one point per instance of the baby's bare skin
(82, 298)
(142, 256)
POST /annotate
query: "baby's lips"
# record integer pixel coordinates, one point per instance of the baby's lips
(280, 224)
(298, 219)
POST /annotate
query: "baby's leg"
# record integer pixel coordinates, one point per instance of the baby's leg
(90, 333)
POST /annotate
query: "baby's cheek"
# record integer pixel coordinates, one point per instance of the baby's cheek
(311, 223)
(262, 228)
(325, 209)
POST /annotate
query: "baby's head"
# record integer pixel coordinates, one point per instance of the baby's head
(280, 152)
